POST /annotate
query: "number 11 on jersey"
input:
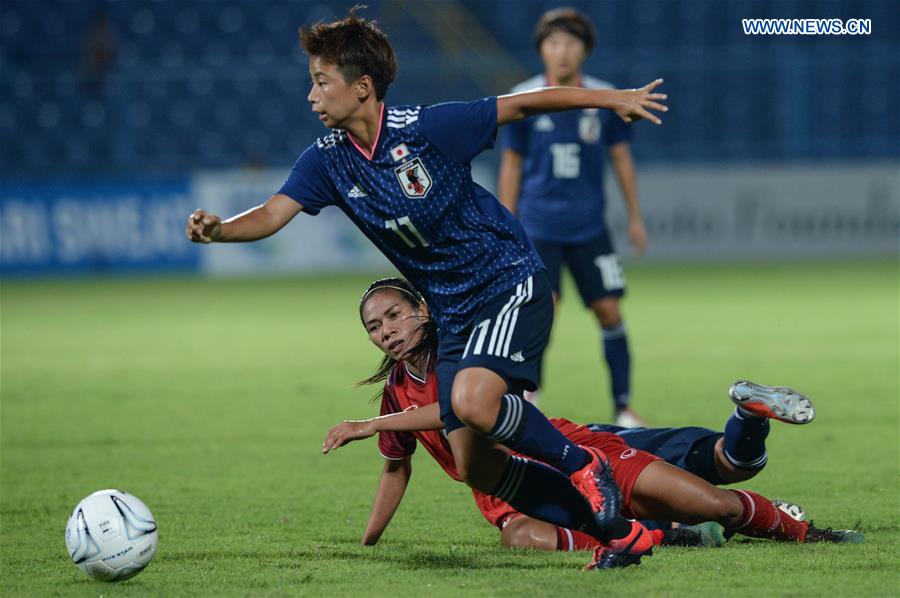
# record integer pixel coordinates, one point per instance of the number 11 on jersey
(404, 222)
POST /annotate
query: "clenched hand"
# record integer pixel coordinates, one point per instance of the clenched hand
(203, 227)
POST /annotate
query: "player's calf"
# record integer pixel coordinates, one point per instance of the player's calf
(525, 532)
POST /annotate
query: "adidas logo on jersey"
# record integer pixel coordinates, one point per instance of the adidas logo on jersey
(357, 192)
(544, 124)
(517, 356)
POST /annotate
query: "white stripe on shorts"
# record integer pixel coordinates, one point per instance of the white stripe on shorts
(529, 291)
(502, 318)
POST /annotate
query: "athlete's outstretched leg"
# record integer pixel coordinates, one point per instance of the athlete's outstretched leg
(664, 491)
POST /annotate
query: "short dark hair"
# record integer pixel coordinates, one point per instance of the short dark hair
(565, 19)
(356, 47)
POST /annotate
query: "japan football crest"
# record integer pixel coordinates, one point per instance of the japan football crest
(414, 179)
(589, 126)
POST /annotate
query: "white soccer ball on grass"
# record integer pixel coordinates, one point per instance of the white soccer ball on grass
(111, 535)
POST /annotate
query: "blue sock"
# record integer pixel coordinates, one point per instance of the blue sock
(522, 427)
(745, 440)
(615, 349)
(546, 494)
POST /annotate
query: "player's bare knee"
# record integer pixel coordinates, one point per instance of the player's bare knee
(465, 406)
(607, 312)
(474, 404)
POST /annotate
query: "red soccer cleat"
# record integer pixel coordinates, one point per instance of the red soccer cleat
(596, 484)
(624, 551)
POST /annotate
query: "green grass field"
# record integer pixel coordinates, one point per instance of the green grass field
(210, 399)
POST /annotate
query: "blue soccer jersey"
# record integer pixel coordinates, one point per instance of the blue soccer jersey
(414, 198)
(562, 198)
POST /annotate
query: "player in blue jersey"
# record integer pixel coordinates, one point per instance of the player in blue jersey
(552, 177)
(402, 175)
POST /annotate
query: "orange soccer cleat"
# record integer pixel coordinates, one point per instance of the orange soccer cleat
(596, 483)
(624, 551)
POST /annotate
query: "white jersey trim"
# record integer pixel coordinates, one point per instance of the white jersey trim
(331, 140)
(395, 458)
(397, 118)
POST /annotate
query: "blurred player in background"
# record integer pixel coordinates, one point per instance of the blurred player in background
(403, 176)
(397, 320)
(552, 178)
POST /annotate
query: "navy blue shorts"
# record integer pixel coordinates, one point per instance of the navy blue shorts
(508, 337)
(594, 265)
(692, 448)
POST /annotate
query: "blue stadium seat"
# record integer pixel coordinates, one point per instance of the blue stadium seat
(208, 83)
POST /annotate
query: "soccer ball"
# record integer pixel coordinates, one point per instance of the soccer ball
(111, 535)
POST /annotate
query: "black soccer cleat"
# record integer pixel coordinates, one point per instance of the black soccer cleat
(836, 536)
(604, 558)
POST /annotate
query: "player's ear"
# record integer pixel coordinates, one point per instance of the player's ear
(423, 309)
(364, 87)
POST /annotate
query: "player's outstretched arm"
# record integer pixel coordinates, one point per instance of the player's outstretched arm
(629, 104)
(413, 420)
(394, 479)
(252, 225)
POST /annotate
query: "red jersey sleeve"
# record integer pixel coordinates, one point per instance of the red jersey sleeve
(394, 445)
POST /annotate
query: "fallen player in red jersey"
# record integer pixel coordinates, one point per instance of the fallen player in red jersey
(398, 324)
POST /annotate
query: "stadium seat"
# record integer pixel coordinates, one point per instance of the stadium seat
(199, 82)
